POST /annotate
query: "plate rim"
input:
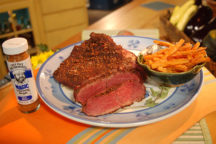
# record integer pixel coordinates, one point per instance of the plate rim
(113, 125)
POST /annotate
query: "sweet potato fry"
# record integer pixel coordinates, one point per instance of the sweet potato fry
(177, 62)
(186, 46)
(196, 46)
(162, 69)
(201, 48)
(198, 60)
(152, 56)
(180, 43)
(163, 43)
(181, 54)
(181, 68)
(158, 64)
(173, 49)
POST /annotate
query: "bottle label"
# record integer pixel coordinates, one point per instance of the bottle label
(23, 81)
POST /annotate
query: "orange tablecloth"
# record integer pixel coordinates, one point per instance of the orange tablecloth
(46, 126)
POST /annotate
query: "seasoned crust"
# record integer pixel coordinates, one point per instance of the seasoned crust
(94, 58)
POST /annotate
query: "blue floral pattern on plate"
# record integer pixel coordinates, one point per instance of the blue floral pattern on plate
(159, 102)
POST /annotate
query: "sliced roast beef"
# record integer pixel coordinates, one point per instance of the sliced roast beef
(85, 92)
(126, 94)
(104, 76)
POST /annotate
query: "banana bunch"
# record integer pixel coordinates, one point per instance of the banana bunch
(182, 14)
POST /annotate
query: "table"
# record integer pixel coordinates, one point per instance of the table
(131, 16)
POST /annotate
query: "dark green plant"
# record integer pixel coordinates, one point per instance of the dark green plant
(43, 47)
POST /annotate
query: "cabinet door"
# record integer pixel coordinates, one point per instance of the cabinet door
(65, 19)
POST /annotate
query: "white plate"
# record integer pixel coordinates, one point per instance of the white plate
(160, 102)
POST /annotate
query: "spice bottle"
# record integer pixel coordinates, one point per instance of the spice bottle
(20, 68)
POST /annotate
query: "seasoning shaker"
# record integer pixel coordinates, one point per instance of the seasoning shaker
(20, 69)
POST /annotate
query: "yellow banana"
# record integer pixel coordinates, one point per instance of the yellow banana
(179, 12)
(186, 17)
(174, 13)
